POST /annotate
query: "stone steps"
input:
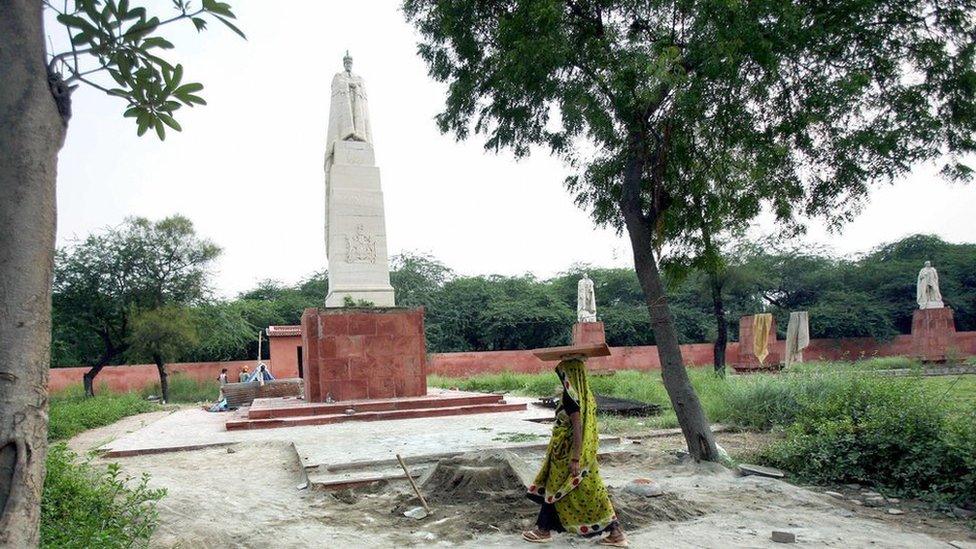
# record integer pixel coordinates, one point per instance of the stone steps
(380, 415)
(274, 409)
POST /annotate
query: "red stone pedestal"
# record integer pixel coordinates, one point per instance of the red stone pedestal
(747, 359)
(585, 333)
(933, 334)
(368, 353)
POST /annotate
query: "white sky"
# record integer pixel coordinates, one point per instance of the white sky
(248, 167)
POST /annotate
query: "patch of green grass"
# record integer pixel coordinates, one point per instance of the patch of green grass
(186, 390)
(71, 412)
(517, 437)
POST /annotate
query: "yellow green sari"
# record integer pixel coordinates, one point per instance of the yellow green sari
(582, 502)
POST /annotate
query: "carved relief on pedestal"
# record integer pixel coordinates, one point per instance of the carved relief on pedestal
(360, 247)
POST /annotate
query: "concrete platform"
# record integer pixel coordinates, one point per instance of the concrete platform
(354, 441)
(285, 412)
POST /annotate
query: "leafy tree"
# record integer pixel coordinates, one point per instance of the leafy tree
(416, 278)
(114, 47)
(161, 335)
(796, 106)
(100, 282)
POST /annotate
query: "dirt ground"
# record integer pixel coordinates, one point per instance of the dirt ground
(251, 494)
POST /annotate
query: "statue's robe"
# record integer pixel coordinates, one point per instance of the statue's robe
(348, 121)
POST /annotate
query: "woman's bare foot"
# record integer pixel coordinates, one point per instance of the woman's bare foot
(537, 535)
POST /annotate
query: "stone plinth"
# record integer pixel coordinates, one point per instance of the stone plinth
(585, 333)
(747, 359)
(368, 353)
(933, 334)
(355, 233)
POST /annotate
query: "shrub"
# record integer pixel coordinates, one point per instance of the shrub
(882, 431)
(71, 412)
(84, 506)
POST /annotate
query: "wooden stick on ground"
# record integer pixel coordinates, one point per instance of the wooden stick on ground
(414, 484)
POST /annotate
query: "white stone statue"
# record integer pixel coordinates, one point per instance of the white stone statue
(585, 300)
(927, 293)
(355, 223)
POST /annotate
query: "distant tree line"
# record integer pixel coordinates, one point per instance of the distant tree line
(140, 293)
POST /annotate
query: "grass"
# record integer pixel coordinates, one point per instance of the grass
(71, 412)
(185, 390)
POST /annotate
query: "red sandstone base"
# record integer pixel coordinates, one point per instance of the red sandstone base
(933, 334)
(586, 333)
(369, 353)
(746, 359)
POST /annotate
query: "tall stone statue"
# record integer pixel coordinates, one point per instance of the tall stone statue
(927, 292)
(585, 300)
(355, 223)
(349, 115)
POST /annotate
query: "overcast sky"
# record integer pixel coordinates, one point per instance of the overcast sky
(248, 167)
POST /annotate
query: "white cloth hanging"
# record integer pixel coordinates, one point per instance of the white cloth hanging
(797, 336)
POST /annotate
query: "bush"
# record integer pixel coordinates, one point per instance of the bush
(883, 431)
(84, 506)
(71, 412)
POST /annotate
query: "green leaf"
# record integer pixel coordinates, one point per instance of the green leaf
(136, 13)
(190, 87)
(81, 38)
(118, 92)
(219, 8)
(141, 29)
(157, 42)
(170, 121)
(75, 21)
(231, 27)
(199, 22)
(142, 127)
(160, 129)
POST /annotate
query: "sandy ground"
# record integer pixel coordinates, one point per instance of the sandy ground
(248, 495)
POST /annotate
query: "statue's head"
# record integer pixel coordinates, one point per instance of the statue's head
(347, 62)
(586, 276)
(928, 263)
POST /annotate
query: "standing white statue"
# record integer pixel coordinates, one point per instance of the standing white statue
(585, 300)
(927, 293)
(355, 223)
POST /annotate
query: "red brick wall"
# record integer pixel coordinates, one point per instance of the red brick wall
(136, 376)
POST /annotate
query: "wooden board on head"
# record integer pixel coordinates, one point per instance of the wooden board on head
(590, 350)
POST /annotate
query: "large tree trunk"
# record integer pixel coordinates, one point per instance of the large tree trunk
(684, 400)
(718, 308)
(163, 377)
(31, 134)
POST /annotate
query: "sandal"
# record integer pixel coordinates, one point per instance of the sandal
(619, 542)
(533, 536)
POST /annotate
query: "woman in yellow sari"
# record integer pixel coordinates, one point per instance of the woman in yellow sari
(568, 485)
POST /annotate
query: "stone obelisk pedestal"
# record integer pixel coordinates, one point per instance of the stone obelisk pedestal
(933, 332)
(369, 353)
(359, 268)
(589, 333)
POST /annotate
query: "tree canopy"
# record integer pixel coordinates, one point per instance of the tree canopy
(867, 295)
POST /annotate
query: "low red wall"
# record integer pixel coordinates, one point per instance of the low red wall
(697, 354)
(136, 376)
